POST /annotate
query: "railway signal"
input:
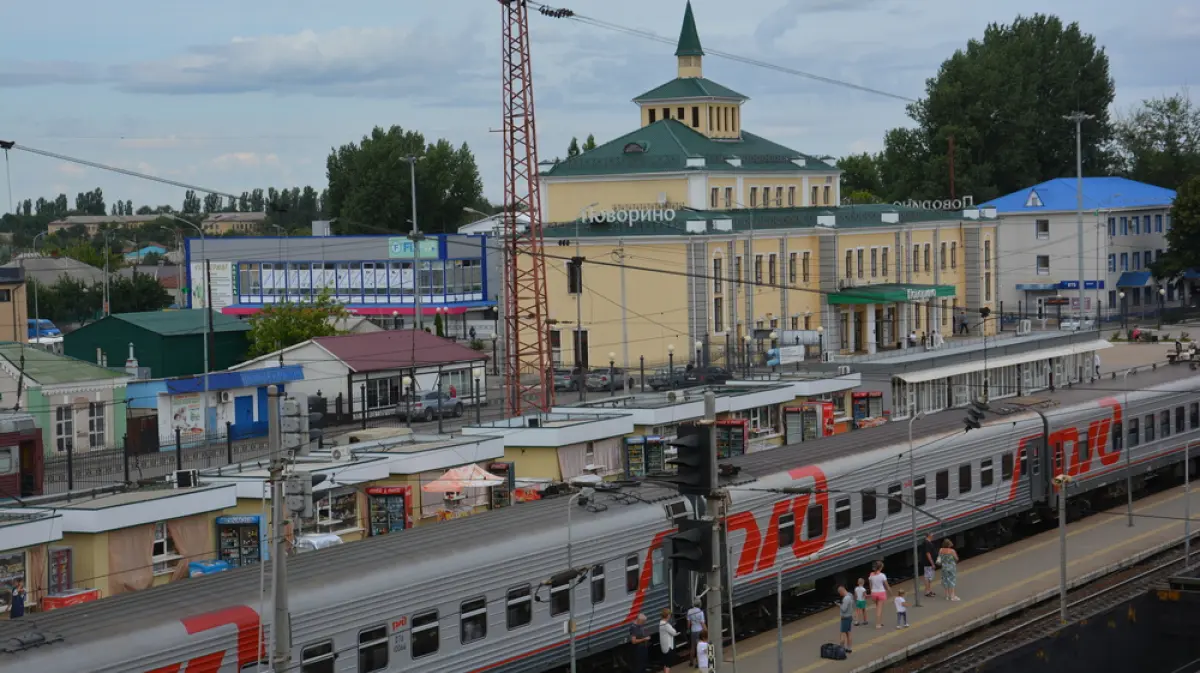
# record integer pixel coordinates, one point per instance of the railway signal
(692, 547)
(693, 461)
(975, 415)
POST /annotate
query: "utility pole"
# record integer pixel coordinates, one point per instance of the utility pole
(415, 236)
(1079, 118)
(579, 354)
(208, 340)
(716, 510)
(281, 627)
(624, 322)
(1062, 480)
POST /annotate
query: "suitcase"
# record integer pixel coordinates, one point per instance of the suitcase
(831, 651)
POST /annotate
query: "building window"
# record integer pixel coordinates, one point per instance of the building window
(779, 196)
(758, 268)
(884, 259)
(1135, 226)
(718, 315)
(1158, 224)
(849, 263)
(737, 268)
(1124, 226)
(804, 263)
(827, 193)
(987, 286)
(653, 115)
(814, 196)
(987, 254)
(717, 281)
(860, 262)
(953, 254)
(916, 263)
(1112, 263)
(1112, 227)
(874, 262)
(64, 428)
(1042, 228)
(96, 425)
(754, 197)
(382, 393)
(792, 196)
(944, 312)
(1137, 260)
(771, 269)
(928, 251)
(1124, 261)
(1043, 265)
(60, 570)
(942, 256)
(729, 197)
(682, 113)
(165, 556)
(713, 197)
(792, 268)
(5, 296)
(695, 116)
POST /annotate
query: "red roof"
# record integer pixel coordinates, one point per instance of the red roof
(395, 349)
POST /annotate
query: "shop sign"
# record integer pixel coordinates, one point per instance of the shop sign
(939, 204)
(402, 248)
(921, 295)
(245, 520)
(388, 490)
(646, 213)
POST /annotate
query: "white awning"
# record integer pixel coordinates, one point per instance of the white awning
(1003, 361)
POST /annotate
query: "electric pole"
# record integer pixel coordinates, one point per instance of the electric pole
(281, 627)
(1079, 118)
(716, 510)
(415, 236)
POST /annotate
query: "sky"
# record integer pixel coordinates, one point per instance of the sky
(236, 95)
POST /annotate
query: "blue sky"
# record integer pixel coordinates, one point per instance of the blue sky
(237, 95)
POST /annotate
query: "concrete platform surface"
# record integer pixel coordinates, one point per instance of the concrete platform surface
(990, 586)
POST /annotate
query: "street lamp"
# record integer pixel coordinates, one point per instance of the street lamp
(207, 307)
(821, 342)
(395, 320)
(611, 362)
(1124, 316)
(671, 364)
(1162, 305)
(746, 353)
(699, 352)
(774, 336)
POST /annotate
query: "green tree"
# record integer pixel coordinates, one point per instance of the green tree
(438, 327)
(369, 182)
(573, 148)
(1159, 142)
(1003, 100)
(590, 143)
(90, 254)
(137, 294)
(282, 325)
(1183, 240)
(860, 173)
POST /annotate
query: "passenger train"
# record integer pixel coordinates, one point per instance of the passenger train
(486, 593)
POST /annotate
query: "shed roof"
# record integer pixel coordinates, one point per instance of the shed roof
(1101, 193)
(47, 368)
(395, 349)
(176, 323)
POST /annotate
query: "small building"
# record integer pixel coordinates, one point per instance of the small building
(365, 373)
(78, 405)
(136, 256)
(561, 446)
(240, 223)
(92, 223)
(48, 270)
(169, 343)
(14, 313)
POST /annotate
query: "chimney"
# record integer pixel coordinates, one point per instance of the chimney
(131, 365)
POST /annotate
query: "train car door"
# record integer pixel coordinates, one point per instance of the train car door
(1039, 469)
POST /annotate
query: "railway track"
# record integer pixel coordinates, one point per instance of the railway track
(976, 648)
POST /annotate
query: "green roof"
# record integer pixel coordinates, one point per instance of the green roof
(46, 368)
(689, 39)
(689, 87)
(175, 323)
(666, 145)
(760, 219)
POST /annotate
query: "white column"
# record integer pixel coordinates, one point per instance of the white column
(853, 340)
(903, 309)
(870, 309)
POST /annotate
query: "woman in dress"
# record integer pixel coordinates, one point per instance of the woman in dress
(948, 560)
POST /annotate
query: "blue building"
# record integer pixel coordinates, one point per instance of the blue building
(1124, 231)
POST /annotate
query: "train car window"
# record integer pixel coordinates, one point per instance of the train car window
(1135, 432)
(841, 513)
(519, 607)
(1150, 426)
(894, 499)
(868, 504)
(1118, 436)
(1006, 467)
(657, 574)
(816, 522)
(560, 597)
(424, 634)
(373, 650)
(1194, 415)
(941, 485)
(472, 620)
(1085, 450)
(986, 476)
(1179, 424)
(633, 571)
(919, 491)
(1164, 423)
(597, 584)
(317, 658)
(786, 530)
(964, 478)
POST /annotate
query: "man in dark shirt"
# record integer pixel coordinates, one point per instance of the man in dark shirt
(929, 554)
(17, 607)
(639, 638)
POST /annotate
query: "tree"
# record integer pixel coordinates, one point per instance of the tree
(1159, 143)
(137, 294)
(89, 203)
(1183, 240)
(282, 325)
(369, 183)
(438, 327)
(573, 148)
(590, 143)
(191, 203)
(212, 203)
(860, 173)
(1003, 101)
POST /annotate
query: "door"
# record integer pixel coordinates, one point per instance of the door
(243, 412)
(30, 466)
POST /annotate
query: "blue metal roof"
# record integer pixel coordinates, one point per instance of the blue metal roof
(248, 378)
(1134, 279)
(1098, 194)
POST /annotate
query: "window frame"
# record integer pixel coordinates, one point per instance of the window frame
(842, 516)
(633, 573)
(306, 663)
(785, 530)
(597, 580)
(895, 498)
(376, 642)
(516, 596)
(987, 473)
(920, 491)
(470, 613)
(870, 508)
(562, 588)
(435, 626)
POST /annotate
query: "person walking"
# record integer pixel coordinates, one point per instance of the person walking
(860, 602)
(697, 623)
(639, 638)
(666, 639)
(901, 610)
(948, 559)
(1096, 361)
(703, 653)
(929, 554)
(846, 612)
(879, 591)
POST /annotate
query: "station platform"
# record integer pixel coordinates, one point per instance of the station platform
(991, 586)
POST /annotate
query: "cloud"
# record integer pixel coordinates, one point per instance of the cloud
(45, 73)
(780, 21)
(245, 160)
(69, 169)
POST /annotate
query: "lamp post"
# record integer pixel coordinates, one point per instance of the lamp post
(582, 497)
(415, 236)
(912, 494)
(746, 339)
(406, 387)
(611, 362)
(699, 353)
(671, 365)
(774, 336)
(821, 342)
(1124, 315)
(37, 314)
(395, 320)
(1162, 305)
(207, 307)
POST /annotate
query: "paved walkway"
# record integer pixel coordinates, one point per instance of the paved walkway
(991, 586)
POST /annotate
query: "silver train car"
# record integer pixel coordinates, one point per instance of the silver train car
(486, 593)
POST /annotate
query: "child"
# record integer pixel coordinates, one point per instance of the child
(860, 603)
(702, 652)
(901, 611)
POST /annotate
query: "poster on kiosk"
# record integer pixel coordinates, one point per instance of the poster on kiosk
(809, 421)
(239, 539)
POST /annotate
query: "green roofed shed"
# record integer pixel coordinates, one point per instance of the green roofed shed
(170, 343)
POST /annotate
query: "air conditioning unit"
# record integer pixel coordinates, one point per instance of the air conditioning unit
(341, 454)
(187, 478)
(1024, 327)
(843, 370)
(226, 396)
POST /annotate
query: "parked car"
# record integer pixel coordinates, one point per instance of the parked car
(706, 376)
(427, 406)
(1074, 324)
(566, 379)
(663, 378)
(598, 379)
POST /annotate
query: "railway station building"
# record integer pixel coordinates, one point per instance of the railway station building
(707, 242)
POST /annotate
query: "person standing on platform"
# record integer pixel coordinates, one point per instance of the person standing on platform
(16, 607)
(696, 625)
(666, 639)
(948, 559)
(639, 638)
(860, 603)
(929, 554)
(879, 591)
(901, 610)
(846, 611)
(703, 653)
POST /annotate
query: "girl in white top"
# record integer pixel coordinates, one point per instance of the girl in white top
(702, 652)
(666, 637)
(879, 591)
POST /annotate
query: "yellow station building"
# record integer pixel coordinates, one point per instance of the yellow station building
(701, 239)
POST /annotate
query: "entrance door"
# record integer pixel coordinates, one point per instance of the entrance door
(30, 461)
(243, 412)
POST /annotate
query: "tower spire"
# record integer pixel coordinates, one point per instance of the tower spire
(688, 50)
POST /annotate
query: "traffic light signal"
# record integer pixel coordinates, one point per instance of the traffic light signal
(294, 423)
(575, 275)
(298, 492)
(692, 547)
(564, 243)
(985, 312)
(975, 414)
(693, 460)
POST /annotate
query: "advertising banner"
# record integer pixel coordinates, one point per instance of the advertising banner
(187, 414)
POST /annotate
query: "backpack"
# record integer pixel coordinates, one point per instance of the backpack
(831, 651)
